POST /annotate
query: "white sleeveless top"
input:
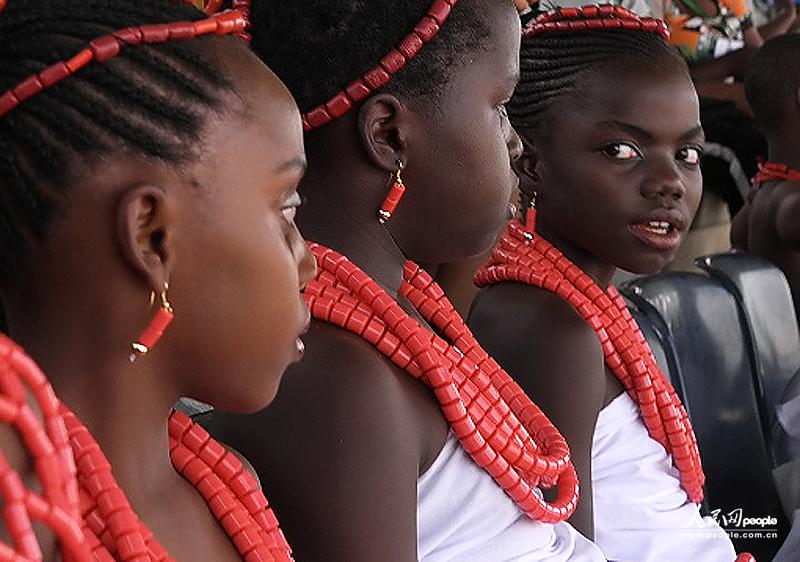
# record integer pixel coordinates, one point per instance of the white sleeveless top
(641, 513)
(464, 516)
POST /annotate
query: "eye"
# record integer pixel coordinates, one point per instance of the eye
(501, 109)
(621, 151)
(290, 206)
(690, 155)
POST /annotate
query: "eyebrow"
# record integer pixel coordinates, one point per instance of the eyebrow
(292, 165)
(627, 127)
(696, 131)
(513, 79)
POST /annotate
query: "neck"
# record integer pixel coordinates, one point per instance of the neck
(784, 151)
(123, 405)
(351, 228)
(600, 271)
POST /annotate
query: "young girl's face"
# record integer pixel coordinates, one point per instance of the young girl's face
(620, 166)
(242, 262)
(459, 175)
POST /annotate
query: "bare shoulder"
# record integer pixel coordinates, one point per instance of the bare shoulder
(339, 451)
(774, 213)
(515, 319)
(555, 356)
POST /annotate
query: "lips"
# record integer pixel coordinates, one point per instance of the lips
(661, 229)
(300, 347)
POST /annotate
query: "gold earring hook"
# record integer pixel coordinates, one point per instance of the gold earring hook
(163, 296)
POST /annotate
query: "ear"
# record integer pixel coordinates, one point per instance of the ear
(143, 230)
(382, 127)
(527, 166)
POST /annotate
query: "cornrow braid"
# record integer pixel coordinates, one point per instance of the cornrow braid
(559, 46)
(150, 95)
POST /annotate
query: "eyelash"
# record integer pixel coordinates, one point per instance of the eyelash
(636, 153)
(696, 148)
(289, 210)
(501, 109)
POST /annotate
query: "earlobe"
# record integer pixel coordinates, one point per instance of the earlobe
(382, 127)
(143, 226)
(527, 166)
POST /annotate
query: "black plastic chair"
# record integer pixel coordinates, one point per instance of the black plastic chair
(765, 303)
(713, 366)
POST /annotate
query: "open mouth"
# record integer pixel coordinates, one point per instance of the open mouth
(660, 228)
(657, 234)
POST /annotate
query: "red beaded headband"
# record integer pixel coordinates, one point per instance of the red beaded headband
(211, 7)
(109, 46)
(379, 75)
(605, 16)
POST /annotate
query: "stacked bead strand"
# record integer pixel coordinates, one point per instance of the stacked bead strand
(498, 425)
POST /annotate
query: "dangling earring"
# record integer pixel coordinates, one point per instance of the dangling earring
(155, 329)
(529, 222)
(394, 197)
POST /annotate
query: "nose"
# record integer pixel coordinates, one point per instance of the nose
(306, 264)
(665, 182)
(514, 144)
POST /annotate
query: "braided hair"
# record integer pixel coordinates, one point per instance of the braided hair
(559, 48)
(318, 53)
(150, 100)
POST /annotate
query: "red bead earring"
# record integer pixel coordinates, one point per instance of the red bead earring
(529, 222)
(394, 197)
(155, 329)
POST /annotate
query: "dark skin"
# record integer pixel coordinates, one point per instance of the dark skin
(597, 170)
(219, 229)
(768, 224)
(354, 433)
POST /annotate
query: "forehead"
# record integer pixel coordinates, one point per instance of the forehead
(658, 100)
(260, 128)
(496, 63)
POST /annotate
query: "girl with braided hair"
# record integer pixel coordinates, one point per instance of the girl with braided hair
(609, 121)
(142, 152)
(411, 443)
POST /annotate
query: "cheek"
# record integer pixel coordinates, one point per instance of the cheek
(244, 313)
(694, 192)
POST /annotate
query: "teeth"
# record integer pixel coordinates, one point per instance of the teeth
(659, 224)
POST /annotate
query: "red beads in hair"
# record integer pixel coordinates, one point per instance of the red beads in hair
(603, 16)
(109, 46)
(380, 74)
(770, 171)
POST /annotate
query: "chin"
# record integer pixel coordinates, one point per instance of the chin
(249, 398)
(648, 266)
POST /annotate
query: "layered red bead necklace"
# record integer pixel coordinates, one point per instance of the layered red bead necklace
(539, 263)
(770, 171)
(497, 424)
(112, 528)
(81, 502)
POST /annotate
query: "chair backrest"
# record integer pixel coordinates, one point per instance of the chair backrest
(714, 368)
(765, 302)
